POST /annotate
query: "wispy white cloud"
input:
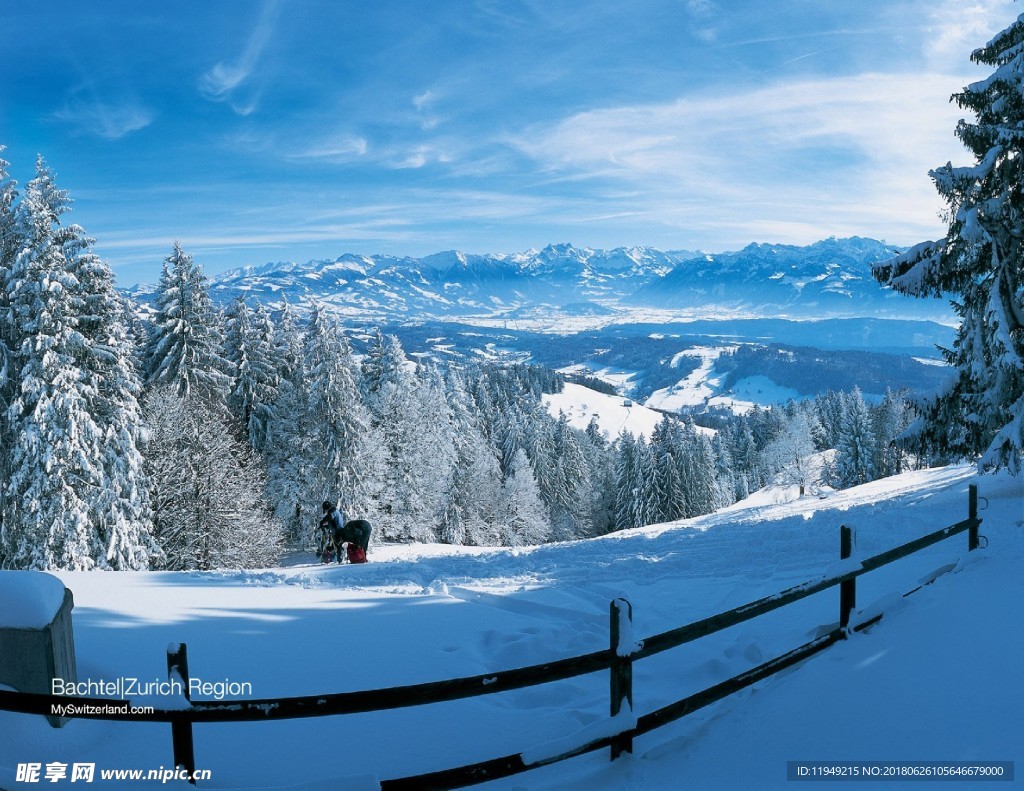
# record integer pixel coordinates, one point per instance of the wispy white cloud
(220, 82)
(424, 103)
(108, 120)
(850, 151)
(419, 156)
(704, 15)
(424, 100)
(338, 148)
(957, 27)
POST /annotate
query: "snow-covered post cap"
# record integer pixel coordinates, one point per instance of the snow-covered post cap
(37, 644)
(29, 599)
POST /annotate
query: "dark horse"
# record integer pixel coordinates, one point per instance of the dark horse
(355, 531)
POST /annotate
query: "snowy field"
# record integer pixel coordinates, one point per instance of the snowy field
(614, 414)
(937, 679)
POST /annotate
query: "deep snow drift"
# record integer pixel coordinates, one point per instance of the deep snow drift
(937, 679)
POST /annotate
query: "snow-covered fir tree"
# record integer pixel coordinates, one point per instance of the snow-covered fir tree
(473, 512)
(636, 496)
(186, 345)
(889, 420)
(699, 474)
(981, 261)
(75, 495)
(571, 489)
(386, 371)
(286, 470)
(600, 455)
(432, 449)
(8, 337)
(249, 347)
(727, 482)
(412, 434)
(335, 424)
(855, 452)
(121, 513)
(669, 450)
(526, 519)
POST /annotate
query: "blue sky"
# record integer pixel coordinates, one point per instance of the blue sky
(299, 129)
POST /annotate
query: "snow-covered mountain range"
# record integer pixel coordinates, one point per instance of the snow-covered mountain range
(827, 279)
(632, 315)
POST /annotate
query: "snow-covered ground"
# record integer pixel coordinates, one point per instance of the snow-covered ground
(698, 387)
(614, 414)
(937, 679)
(703, 387)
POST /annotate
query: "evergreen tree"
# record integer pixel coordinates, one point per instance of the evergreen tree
(396, 418)
(186, 347)
(668, 449)
(287, 469)
(473, 514)
(74, 496)
(981, 260)
(526, 520)
(699, 474)
(430, 454)
(636, 498)
(571, 501)
(601, 463)
(745, 459)
(249, 348)
(120, 510)
(889, 420)
(729, 485)
(335, 422)
(829, 407)
(854, 456)
(9, 243)
(9, 236)
(385, 371)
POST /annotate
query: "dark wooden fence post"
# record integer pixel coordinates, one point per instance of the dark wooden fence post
(181, 730)
(848, 588)
(622, 647)
(972, 513)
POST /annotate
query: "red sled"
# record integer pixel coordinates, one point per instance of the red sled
(356, 554)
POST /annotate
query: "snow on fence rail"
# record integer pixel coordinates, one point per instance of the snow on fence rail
(617, 733)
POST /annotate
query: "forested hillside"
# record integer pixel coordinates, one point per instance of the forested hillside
(156, 443)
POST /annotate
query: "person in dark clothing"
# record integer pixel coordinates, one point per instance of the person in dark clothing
(332, 529)
(358, 532)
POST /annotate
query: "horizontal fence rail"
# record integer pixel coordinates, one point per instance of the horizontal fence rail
(715, 623)
(324, 705)
(618, 658)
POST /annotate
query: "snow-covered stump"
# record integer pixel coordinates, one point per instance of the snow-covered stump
(181, 730)
(848, 588)
(37, 643)
(622, 646)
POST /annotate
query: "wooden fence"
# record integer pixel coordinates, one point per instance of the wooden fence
(618, 658)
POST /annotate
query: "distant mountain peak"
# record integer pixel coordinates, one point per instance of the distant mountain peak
(829, 278)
